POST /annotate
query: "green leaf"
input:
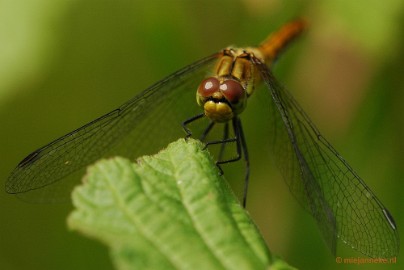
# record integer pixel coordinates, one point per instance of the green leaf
(169, 211)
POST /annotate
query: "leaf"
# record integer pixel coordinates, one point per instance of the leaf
(169, 211)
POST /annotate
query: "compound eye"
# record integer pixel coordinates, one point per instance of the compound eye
(208, 87)
(233, 91)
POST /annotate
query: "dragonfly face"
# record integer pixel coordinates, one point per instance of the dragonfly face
(322, 181)
(225, 96)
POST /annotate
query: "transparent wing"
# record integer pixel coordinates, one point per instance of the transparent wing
(141, 126)
(322, 181)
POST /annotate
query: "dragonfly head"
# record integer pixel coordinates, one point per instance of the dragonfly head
(221, 100)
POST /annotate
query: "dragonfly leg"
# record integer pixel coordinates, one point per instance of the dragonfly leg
(228, 140)
(223, 145)
(225, 137)
(246, 160)
(188, 121)
(238, 138)
(241, 151)
(206, 131)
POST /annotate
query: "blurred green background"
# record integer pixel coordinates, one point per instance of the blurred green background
(64, 63)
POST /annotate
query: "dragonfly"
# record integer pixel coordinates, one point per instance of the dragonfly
(341, 203)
